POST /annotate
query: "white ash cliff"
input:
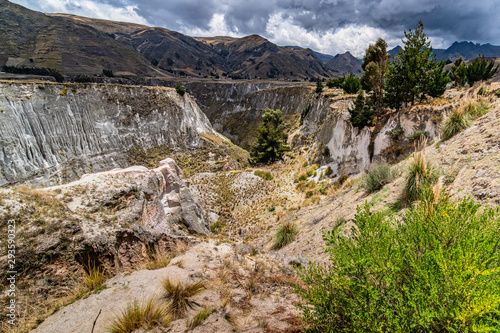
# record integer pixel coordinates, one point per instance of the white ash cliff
(55, 132)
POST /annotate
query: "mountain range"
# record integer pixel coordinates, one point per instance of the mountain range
(76, 45)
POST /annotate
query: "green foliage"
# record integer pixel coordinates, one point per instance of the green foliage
(285, 234)
(330, 83)
(462, 117)
(108, 72)
(458, 72)
(34, 71)
(319, 86)
(351, 84)
(328, 171)
(420, 173)
(395, 133)
(361, 113)
(455, 122)
(480, 69)
(263, 174)
(435, 271)
(271, 138)
(376, 177)
(418, 135)
(325, 151)
(375, 64)
(481, 91)
(147, 314)
(497, 92)
(414, 72)
(180, 90)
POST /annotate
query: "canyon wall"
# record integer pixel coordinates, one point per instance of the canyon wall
(59, 132)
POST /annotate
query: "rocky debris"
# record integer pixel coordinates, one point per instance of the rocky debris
(52, 133)
(246, 294)
(113, 220)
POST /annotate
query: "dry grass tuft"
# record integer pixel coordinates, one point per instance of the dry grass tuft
(200, 317)
(147, 314)
(178, 294)
(285, 234)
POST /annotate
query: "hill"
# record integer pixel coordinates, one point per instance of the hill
(83, 46)
(466, 50)
(343, 64)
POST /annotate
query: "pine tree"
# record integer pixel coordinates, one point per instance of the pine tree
(361, 113)
(271, 139)
(414, 72)
(480, 69)
(319, 86)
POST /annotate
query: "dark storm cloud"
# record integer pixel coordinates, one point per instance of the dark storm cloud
(461, 20)
(444, 20)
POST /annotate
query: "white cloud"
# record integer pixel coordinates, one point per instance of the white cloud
(87, 8)
(217, 27)
(354, 39)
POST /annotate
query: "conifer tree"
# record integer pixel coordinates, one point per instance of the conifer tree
(271, 139)
(414, 72)
(375, 64)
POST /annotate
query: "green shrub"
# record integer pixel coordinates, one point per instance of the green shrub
(497, 92)
(351, 84)
(328, 171)
(305, 164)
(285, 234)
(270, 144)
(342, 179)
(418, 135)
(361, 113)
(420, 173)
(263, 174)
(377, 176)
(180, 90)
(395, 133)
(437, 270)
(325, 151)
(319, 86)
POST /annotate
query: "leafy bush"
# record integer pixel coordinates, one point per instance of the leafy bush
(319, 86)
(351, 84)
(180, 90)
(328, 171)
(395, 133)
(418, 135)
(376, 177)
(437, 270)
(420, 173)
(285, 234)
(263, 174)
(147, 314)
(325, 151)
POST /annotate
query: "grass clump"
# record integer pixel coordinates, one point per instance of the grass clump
(263, 174)
(420, 173)
(178, 294)
(285, 234)
(376, 177)
(462, 117)
(147, 315)
(94, 278)
(437, 270)
(200, 317)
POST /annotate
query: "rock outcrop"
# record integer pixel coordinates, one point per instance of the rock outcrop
(53, 132)
(113, 221)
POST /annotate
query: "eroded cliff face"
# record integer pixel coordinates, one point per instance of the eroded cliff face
(352, 150)
(53, 132)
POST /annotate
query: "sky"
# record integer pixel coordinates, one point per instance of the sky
(327, 26)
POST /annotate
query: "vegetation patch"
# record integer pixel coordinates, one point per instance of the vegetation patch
(285, 234)
(434, 271)
(376, 177)
(146, 315)
(263, 174)
(178, 294)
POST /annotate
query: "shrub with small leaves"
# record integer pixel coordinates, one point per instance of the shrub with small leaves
(328, 171)
(263, 174)
(180, 90)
